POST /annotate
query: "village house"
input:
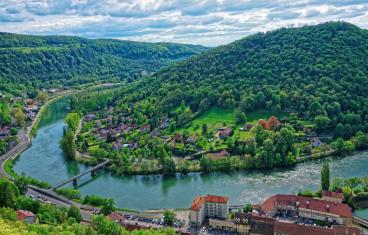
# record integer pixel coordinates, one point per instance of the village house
(155, 132)
(209, 206)
(246, 127)
(218, 155)
(191, 140)
(90, 117)
(29, 101)
(224, 133)
(4, 131)
(315, 142)
(26, 216)
(31, 108)
(177, 138)
(109, 119)
(164, 123)
(52, 90)
(144, 129)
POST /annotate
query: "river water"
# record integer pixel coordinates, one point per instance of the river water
(44, 161)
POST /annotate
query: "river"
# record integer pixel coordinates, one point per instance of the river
(44, 161)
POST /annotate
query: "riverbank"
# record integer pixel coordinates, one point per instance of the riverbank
(44, 161)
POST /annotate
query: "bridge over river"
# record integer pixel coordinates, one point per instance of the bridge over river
(73, 179)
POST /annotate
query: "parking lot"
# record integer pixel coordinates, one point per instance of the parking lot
(152, 222)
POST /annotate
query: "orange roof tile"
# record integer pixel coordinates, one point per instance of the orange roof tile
(200, 200)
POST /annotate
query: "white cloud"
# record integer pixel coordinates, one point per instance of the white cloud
(208, 22)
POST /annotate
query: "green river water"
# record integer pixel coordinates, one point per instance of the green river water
(44, 161)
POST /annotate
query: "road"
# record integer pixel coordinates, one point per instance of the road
(43, 195)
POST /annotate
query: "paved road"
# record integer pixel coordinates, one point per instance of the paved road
(43, 195)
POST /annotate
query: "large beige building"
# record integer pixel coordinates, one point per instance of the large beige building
(209, 206)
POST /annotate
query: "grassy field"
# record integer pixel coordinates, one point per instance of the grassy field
(214, 118)
(218, 117)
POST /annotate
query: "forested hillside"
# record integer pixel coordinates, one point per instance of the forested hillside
(314, 79)
(49, 60)
(318, 70)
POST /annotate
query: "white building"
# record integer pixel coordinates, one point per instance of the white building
(208, 206)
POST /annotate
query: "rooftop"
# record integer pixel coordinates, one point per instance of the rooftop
(342, 210)
(200, 200)
(22, 214)
(332, 194)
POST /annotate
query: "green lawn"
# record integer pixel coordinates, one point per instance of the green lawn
(254, 116)
(214, 118)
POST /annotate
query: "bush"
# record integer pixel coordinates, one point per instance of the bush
(94, 200)
(72, 194)
(307, 193)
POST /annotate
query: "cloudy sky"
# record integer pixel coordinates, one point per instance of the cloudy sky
(206, 22)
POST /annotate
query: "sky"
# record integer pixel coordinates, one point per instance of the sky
(205, 22)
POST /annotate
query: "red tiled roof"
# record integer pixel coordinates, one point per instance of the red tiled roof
(22, 214)
(342, 210)
(298, 229)
(200, 200)
(332, 194)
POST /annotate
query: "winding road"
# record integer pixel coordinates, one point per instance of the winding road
(43, 195)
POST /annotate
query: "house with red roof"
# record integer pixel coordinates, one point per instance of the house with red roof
(26, 216)
(209, 206)
(306, 207)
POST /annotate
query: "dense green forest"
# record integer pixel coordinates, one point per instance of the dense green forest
(46, 61)
(320, 71)
(318, 74)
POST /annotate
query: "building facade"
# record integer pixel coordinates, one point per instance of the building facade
(209, 206)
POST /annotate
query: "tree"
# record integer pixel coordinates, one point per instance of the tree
(5, 117)
(72, 119)
(168, 165)
(204, 129)
(343, 147)
(67, 145)
(108, 207)
(339, 130)
(325, 176)
(360, 140)
(22, 184)
(104, 226)
(240, 117)
(169, 217)
(27, 203)
(9, 194)
(19, 116)
(74, 212)
(247, 208)
(205, 163)
(321, 122)
(42, 96)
